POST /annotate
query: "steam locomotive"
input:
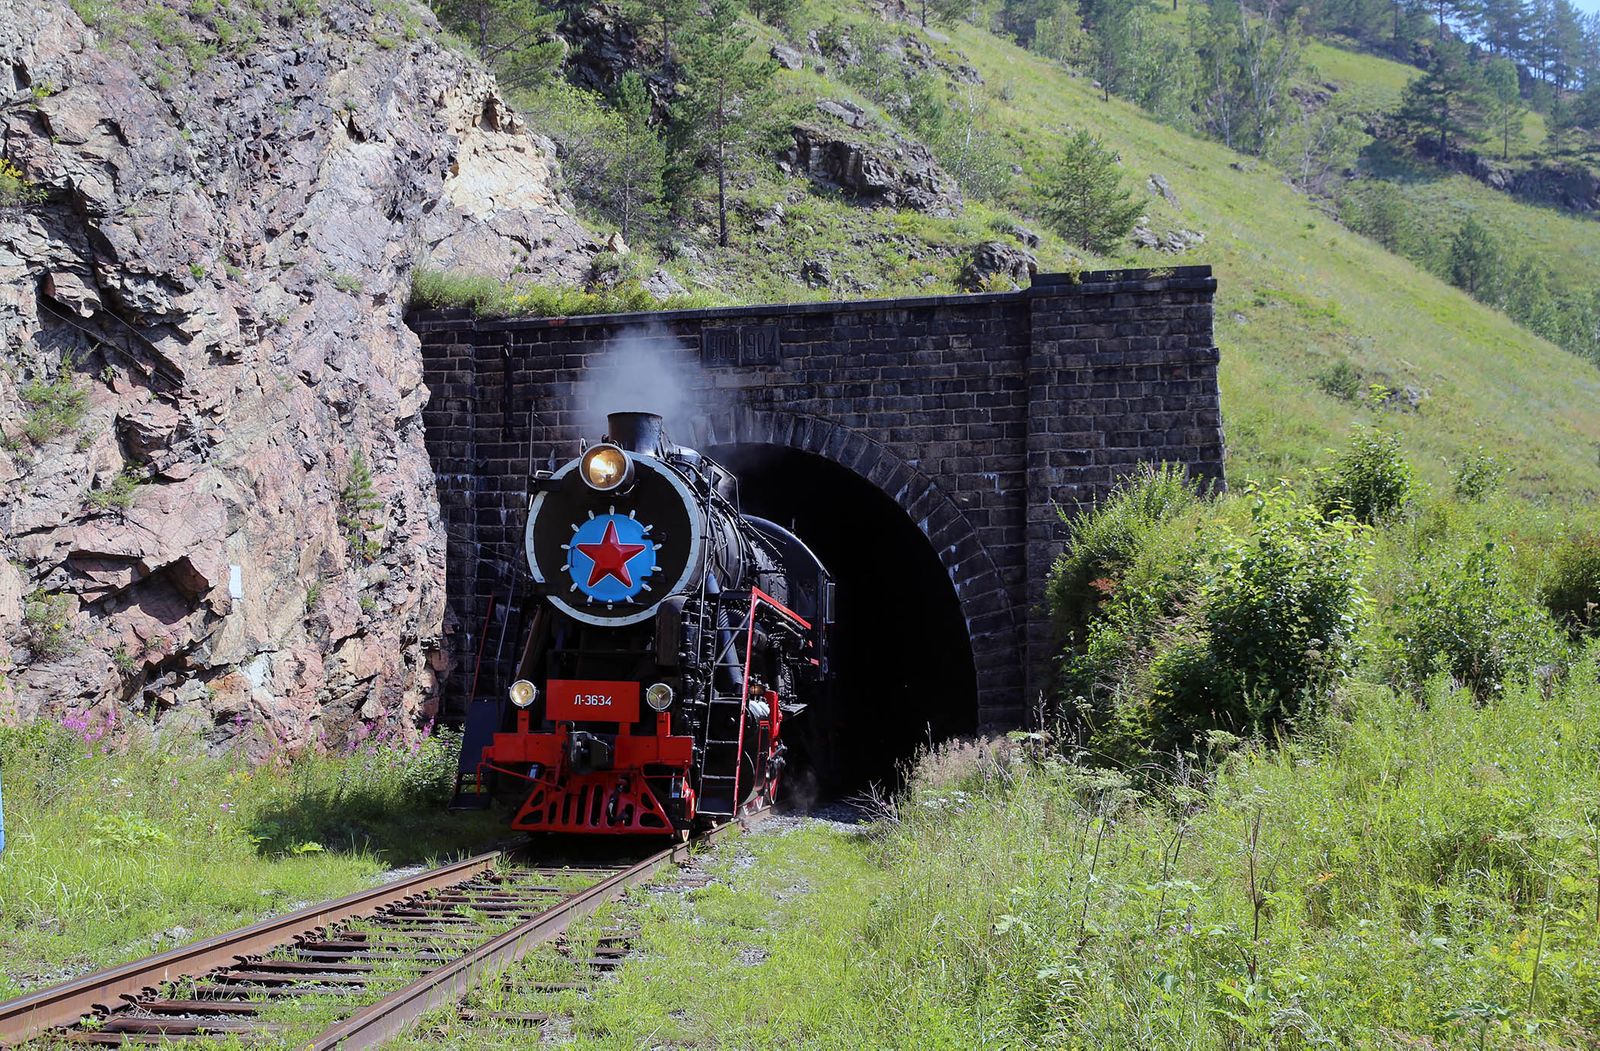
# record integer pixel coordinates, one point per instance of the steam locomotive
(672, 639)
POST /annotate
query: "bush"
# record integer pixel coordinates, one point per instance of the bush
(1460, 616)
(47, 621)
(1284, 609)
(1206, 627)
(1370, 482)
(1104, 542)
(15, 190)
(1340, 380)
(487, 297)
(1571, 588)
(118, 494)
(54, 408)
(1476, 477)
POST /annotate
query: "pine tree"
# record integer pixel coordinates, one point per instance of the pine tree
(727, 97)
(1448, 101)
(1507, 105)
(1566, 43)
(1476, 265)
(515, 38)
(1383, 215)
(1084, 198)
(1115, 28)
(669, 15)
(1505, 26)
(638, 159)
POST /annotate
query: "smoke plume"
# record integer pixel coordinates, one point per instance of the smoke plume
(643, 370)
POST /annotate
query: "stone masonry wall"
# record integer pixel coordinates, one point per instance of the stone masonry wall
(979, 415)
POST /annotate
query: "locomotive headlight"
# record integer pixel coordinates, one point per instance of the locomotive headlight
(523, 693)
(606, 467)
(658, 696)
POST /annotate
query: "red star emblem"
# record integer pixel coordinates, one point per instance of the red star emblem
(610, 557)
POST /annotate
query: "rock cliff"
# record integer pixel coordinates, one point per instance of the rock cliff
(216, 508)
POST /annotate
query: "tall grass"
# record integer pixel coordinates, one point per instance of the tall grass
(1421, 873)
(489, 297)
(113, 852)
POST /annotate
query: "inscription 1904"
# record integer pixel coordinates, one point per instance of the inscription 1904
(742, 345)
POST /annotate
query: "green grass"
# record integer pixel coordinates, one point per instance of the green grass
(1415, 875)
(487, 297)
(1374, 83)
(1438, 203)
(111, 849)
(1298, 292)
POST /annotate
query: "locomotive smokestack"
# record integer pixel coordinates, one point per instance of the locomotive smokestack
(637, 432)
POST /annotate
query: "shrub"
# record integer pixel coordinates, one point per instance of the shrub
(1461, 617)
(119, 494)
(16, 191)
(1571, 588)
(1476, 477)
(47, 622)
(487, 297)
(1103, 543)
(1215, 627)
(54, 408)
(1370, 482)
(1284, 608)
(357, 503)
(1340, 380)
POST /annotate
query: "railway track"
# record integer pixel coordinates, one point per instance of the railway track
(349, 974)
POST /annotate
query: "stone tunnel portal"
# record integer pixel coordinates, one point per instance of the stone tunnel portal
(934, 441)
(902, 660)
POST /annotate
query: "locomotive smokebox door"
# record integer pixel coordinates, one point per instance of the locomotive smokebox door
(606, 557)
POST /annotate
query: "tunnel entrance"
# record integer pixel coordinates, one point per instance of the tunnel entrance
(900, 652)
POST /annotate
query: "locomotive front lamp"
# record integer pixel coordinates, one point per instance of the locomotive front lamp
(658, 696)
(523, 693)
(606, 468)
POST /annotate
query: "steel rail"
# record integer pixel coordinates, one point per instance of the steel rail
(60, 1005)
(387, 1018)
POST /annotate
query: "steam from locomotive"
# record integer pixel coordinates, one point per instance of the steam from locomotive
(672, 638)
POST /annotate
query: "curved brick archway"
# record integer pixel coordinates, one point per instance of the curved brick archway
(980, 416)
(992, 628)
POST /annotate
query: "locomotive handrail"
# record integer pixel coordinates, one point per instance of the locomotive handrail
(757, 598)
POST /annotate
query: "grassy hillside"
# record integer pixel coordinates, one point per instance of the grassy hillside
(1298, 292)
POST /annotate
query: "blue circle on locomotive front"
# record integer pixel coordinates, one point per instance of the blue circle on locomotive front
(610, 556)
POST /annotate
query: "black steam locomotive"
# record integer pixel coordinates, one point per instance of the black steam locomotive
(671, 639)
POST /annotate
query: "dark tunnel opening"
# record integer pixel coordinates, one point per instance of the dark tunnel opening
(901, 656)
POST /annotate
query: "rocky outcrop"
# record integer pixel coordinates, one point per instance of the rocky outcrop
(1573, 187)
(205, 357)
(1173, 241)
(996, 263)
(895, 171)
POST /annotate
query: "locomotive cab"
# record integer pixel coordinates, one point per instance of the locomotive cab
(664, 654)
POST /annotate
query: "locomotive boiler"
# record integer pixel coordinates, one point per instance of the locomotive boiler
(672, 639)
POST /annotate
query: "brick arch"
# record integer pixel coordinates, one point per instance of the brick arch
(992, 628)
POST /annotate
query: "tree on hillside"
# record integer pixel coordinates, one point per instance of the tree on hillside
(1447, 102)
(1246, 65)
(515, 38)
(1504, 24)
(1476, 265)
(1115, 28)
(638, 159)
(727, 97)
(1084, 198)
(1506, 106)
(1382, 214)
(668, 15)
(1449, 12)
(775, 12)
